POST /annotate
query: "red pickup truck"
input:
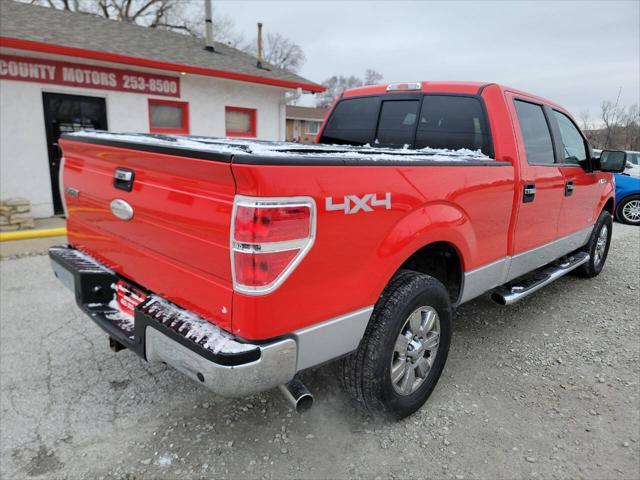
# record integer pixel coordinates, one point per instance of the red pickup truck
(241, 263)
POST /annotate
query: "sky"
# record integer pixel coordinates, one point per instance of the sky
(574, 53)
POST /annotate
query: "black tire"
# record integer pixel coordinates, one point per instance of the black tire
(596, 262)
(366, 373)
(620, 213)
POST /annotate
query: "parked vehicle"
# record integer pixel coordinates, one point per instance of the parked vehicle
(633, 164)
(243, 263)
(627, 199)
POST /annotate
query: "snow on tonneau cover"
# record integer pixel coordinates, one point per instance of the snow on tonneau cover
(177, 243)
(265, 148)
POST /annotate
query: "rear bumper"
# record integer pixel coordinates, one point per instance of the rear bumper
(162, 332)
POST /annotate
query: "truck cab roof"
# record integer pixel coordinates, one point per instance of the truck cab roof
(454, 87)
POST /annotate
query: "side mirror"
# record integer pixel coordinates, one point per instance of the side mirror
(613, 161)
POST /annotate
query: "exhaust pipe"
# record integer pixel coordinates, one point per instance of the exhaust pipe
(298, 395)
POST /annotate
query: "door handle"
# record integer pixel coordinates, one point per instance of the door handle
(568, 188)
(529, 193)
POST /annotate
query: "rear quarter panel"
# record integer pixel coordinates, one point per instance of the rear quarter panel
(355, 255)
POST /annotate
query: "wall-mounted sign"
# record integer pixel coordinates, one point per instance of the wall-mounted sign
(29, 69)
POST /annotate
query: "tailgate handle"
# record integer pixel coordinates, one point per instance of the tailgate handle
(123, 179)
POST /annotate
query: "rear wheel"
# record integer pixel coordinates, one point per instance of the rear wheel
(628, 211)
(597, 247)
(404, 349)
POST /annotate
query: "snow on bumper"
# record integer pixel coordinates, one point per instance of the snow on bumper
(160, 331)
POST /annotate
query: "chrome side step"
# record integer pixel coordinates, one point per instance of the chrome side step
(532, 282)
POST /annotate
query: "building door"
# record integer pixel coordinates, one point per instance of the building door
(63, 114)
(296, 130)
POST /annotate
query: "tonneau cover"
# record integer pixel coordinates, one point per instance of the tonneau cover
(271, 152)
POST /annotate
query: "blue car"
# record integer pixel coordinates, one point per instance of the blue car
(627, 199)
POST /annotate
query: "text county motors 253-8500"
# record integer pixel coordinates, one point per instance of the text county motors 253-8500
(87, 76)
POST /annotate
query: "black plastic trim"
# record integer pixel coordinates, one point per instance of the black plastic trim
(126, 185)
(244, 159)
(96, 307)
(143, 320)
(145, 147)
(302, 160)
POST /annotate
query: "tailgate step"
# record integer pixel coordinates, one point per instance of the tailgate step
(527, 284)
(191, 329)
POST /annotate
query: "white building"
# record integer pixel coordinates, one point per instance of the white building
(61, 71)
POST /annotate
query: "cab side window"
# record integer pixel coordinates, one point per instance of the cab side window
(574, 148)
(535, 133)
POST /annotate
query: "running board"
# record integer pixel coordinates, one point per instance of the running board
(532, 282)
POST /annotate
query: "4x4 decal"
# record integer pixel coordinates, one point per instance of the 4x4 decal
(354, 204)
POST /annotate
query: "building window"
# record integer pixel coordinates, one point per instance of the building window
(311, 128)
(240, 122)
(166, 116)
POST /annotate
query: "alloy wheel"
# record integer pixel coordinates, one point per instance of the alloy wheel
(415, 350)
(601, 245)
(631, 211)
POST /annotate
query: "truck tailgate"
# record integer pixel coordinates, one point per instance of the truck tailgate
(176, 244)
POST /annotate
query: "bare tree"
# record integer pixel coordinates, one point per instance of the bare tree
(335, 85)
(176, 15)
(631, 128)
(585, 120)
(610, 114)
(279, 51)
(371, 77)
(619, 127)
(283, 53)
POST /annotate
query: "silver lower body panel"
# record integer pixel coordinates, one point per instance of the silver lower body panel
(487, 277)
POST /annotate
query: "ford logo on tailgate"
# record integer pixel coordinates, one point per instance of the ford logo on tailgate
(121, 209)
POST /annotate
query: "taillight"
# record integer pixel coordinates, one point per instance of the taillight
(269, 238)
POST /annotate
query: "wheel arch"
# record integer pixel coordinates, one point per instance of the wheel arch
(436, 239)
(441, 260)
(610, 206)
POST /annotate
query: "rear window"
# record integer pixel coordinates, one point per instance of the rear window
(444, 121)
(352, 121)
(452, 122)
(397, 123)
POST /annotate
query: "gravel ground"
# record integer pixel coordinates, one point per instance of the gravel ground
(547, 388)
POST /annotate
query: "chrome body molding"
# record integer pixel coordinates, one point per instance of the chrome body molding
(531, 259)
(333, 338)
(481, 280)
(276, 365)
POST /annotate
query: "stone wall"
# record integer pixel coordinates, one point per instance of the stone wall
(15, 214)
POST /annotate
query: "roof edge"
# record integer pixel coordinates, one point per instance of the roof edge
(31, 45)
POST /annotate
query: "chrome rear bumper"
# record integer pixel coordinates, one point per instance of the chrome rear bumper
(160, 331)
(215, 363)
(276, 365)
